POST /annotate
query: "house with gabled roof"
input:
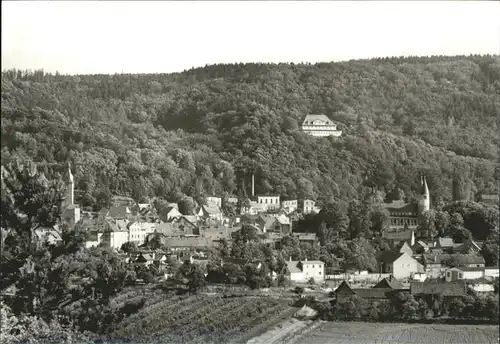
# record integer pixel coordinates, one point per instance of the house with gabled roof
(144, 259)
(469, 246)
(446, 289)
(389, 283)
(404, 247)
(438, 294)
(464, 273)
(50, 235)
(400, 265)
(420, 247)
(303, 270)
(170, 214)
(344, 292)
(436, 264)
(320, 126)
(210, 211)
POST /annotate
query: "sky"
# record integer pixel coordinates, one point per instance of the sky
(86, 37)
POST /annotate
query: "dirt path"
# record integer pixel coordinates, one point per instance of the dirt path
(281, 332)
(263, 328)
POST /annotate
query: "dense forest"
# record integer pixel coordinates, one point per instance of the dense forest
(206, 130)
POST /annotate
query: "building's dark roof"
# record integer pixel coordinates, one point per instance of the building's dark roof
(305, 236)
(311, 118)
(400, 207)
(469, 269)
(456, 288)
(344, 287)
(389, 283)
(430, 258)
(388, 257)
(373, 293)
(445, 242)
(402, 235)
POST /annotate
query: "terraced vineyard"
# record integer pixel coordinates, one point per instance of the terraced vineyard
(199, 319)
(371, 333)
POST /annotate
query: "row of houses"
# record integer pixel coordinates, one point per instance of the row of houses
(387, 287)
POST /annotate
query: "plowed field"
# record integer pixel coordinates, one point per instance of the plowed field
(383, 333)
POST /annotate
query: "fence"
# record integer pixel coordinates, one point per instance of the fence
(358, 277)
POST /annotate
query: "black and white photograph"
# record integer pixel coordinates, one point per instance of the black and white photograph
(250, 172)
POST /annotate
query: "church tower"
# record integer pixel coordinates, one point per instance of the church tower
(70, 193)
(424, 203)
(71, 212)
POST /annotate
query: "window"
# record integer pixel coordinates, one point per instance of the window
(460, 275)
(448, 274)
(319, 273)
(313, 266)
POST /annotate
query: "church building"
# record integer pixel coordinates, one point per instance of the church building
(405, 215)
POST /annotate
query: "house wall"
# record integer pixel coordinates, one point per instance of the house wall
(215, 200)
(297, 276)
(373, 278)
(308, 206)
(321, 130)
(457, 274)
(314, 270)
(405, 266)
(434, 270)
(117, 239)
(272, 202)
(491, 272)
(483, 288)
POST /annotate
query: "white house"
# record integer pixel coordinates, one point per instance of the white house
(400, 264)
(290, 206)
(210, 211)
(214, 200)
(271, 202)
(138, 231)
(464, 273)
(320, 126)
(115, 239)
(309, 206)
(302, 271)
(481, 287)
(491, 271)
(254, 209)
(172, 213)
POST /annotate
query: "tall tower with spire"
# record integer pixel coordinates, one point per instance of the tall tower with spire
(70, 193)
(71, 211)
(424, 203)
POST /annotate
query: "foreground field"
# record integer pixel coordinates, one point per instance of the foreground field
(371, 333)
(200, 319)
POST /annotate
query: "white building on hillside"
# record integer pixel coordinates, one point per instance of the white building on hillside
(309, 206)
(215, 201)
(289, 206)
(302, 271)
(271, 202)
(320, 126)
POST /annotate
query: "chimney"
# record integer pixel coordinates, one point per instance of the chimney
(306, 259)
(290, 258)
(253, 185)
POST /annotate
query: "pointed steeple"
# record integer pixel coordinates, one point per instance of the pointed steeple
(70, 175)
(425, 189)
(425, 199)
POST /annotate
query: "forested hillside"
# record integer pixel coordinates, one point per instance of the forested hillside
(204, 131)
